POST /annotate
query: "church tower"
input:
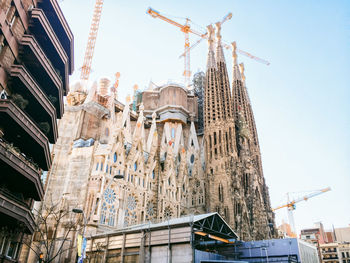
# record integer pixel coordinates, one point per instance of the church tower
(253, 210)
(236, 187)
(218, 131)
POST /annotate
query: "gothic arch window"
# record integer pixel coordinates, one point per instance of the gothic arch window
(135, 166)
(221, 193)
(111, 218)
(103, 213)
(245, 182)
(130, 212)
(97, 166)
(172, 132)
(115, 157)
(226, 213)
(153, 176)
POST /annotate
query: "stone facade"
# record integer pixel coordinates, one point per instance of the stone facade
(167, 168)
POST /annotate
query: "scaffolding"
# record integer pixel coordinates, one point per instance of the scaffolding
(198, 84)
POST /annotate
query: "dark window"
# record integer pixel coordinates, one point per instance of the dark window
(221, 193)
(192, 158)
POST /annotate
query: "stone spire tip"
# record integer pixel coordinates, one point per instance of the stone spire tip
(241, 67)
(234, 52)
(211, 58)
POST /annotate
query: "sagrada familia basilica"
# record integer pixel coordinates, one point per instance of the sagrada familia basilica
(168, 152)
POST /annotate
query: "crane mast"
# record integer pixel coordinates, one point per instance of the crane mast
(89, 52)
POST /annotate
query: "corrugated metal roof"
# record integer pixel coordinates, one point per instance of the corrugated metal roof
(169, 223)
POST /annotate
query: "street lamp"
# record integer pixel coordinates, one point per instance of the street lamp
(80, 211)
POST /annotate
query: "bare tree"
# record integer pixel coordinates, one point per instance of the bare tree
(54, 228)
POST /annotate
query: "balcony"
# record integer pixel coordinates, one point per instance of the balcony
(24, 134)
(39, 108)
(56, 18)
(12, 207)
(19, 173)
(40, 67)
(48, 41)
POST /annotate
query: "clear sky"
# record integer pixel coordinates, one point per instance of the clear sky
(300, 102)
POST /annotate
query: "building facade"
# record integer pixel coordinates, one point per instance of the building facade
(36, 58)
(157, 157)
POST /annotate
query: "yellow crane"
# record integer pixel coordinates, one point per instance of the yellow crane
(89, 52)
(291, 205)
(186, 29)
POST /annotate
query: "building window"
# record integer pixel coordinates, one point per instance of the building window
(115, 157)
(101, 167)
(135, 167)
(9, 248)
(103, 214)
(173, 132)
(221, 193)
(97, 166)
(192, 158)
(153, 174)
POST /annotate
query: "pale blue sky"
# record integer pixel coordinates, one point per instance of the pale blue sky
(300, 101)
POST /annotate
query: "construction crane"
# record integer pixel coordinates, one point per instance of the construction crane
(186, 29)
(227, 46)
(89, 52)
(291, 205)
(205, 36)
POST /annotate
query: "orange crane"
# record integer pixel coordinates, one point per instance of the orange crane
(291, 205)
(89, 52)
(186, 29)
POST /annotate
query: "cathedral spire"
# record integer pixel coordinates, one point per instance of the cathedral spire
(213, 99)
(211, 56)
(219, 52)
(236, 72)
(222, 75)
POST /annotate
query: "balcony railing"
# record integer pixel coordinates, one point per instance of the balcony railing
(15, 198)
(22, 156)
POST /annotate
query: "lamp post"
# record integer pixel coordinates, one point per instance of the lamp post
(81, 211)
